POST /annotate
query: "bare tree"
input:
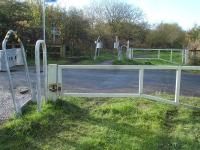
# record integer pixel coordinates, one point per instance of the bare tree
(114, 12)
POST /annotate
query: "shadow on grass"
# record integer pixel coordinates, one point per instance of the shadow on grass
(64, 117)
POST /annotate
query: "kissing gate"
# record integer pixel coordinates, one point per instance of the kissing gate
(35, 93)
(53, 78)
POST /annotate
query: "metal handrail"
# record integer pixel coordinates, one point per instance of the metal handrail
(4, 48)
(37, 63)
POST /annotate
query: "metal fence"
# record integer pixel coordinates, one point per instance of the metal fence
(156, 54)
(55, 77)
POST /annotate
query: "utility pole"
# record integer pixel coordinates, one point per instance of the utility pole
(44, 20)
(44, 16)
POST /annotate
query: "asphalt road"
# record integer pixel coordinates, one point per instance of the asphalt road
(126, 81)
(111, 81)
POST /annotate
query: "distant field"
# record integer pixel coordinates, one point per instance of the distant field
(83, 123)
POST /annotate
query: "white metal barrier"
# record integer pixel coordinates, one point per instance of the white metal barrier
(38, 74)
(183, 54)
(16, 103)
(55, 72)
(99, 46)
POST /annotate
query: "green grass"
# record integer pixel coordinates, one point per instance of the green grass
(83, 123)
(106, 55)
(60, 61)
(140, 62)
(177, 59)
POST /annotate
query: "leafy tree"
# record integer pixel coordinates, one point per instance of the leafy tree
(166, 36)
(13, 15)
(76, 30)
(193, 34)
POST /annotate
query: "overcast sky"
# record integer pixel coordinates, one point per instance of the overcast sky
(184, 12)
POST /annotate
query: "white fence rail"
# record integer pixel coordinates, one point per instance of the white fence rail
(55, 73)
(131, 54)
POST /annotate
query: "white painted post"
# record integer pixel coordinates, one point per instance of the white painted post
(186, 56)
(158, 54)
(52, 79)
(60, 79)
(141, 81)
(99, 46)
(182, 56)
(128, 51)
(178, 84)
(171, 56)
(95, 55)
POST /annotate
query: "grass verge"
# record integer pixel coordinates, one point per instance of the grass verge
(87, 123)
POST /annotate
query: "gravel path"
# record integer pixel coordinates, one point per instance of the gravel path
(6, 102)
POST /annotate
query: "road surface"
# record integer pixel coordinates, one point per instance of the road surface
(124, 81)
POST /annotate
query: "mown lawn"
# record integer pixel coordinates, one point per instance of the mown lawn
(95, 124)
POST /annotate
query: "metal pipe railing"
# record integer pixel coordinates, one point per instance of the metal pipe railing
(4, 47)
(38, 75)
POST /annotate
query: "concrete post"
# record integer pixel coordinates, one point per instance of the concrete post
(186, 56)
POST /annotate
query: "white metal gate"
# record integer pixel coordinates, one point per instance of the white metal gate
(55, 80)
(132, 54)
